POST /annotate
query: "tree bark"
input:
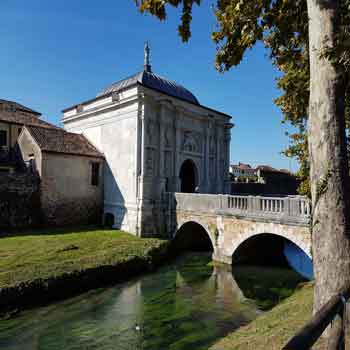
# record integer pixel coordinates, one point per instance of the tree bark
(329, 173)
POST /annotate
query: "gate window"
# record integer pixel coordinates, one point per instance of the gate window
(95, 172)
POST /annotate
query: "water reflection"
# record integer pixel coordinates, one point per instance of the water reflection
(186, 305)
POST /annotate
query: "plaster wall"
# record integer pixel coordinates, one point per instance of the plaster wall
(29, 147)
(114, 132)
(67, 195)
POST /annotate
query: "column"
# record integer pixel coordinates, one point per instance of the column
(161, 171)
(218, 175)
(206, 155)
(177, 150)
(161, 140)
(143, 144)
(227, 158)
(141, 168)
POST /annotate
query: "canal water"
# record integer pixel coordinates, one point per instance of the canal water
(188, 304)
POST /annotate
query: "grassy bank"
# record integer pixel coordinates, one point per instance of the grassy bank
(274, 328)
(51, 264)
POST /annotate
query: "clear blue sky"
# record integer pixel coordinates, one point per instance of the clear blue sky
(58, 53)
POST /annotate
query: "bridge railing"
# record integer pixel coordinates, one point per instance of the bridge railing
(237, 202)
(292, 208)
(295, 208)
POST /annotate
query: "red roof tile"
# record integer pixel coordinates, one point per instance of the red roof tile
(60, 141)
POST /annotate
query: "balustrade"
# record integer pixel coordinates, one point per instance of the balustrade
(292, 208)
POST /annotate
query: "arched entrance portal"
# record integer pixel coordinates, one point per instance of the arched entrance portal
(188, 176)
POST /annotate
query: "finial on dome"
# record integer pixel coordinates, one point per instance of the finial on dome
(147, 65)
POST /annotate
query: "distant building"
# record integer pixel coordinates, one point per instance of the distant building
(281, 180)
(242, 170)
(268, 181)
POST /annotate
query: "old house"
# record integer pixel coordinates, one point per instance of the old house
(156, 137)
(12, 118)
(47, 175)
(70, 170)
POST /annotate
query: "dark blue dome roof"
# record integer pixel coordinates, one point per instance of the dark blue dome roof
(155, 82)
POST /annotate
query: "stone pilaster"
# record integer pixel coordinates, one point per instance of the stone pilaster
(177, 150)
(161, 170)
(218, 180)
(227, 183)
(206, 155)
(161, 140)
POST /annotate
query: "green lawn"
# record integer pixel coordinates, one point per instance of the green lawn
(273, 329)
(50, 253)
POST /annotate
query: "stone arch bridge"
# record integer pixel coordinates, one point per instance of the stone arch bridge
(231, 220)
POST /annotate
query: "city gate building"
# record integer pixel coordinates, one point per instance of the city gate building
(156, 137)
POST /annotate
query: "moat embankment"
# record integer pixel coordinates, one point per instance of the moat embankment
(188, 304)
(38, 267)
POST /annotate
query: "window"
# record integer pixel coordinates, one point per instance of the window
(3, 138)
(95, 171)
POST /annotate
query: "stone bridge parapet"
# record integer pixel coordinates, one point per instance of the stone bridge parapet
(292, 209)
(230, 220)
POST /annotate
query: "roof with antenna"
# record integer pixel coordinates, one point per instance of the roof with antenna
(153, 81)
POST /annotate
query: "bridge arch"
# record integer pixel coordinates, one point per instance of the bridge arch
(194, 235)
(261, 229)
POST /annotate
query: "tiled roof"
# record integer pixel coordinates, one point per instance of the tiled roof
(60, 141)
(24, 119)
(155, 82)
(266, 168)
(244, 166)
(17, 106)
(270, 169)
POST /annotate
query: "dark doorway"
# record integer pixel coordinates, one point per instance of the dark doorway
(109, 220)
(188, 176)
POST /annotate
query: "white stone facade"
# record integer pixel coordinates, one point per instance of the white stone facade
(146, 136)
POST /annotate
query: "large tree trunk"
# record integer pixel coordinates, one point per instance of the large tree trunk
(329, 172)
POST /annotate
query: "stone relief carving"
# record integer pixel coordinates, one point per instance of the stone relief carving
(192, 142)
(189, 142)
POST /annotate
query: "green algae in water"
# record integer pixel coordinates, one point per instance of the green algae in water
(187, 305)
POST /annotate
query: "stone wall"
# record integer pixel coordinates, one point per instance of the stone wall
(19, 200)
